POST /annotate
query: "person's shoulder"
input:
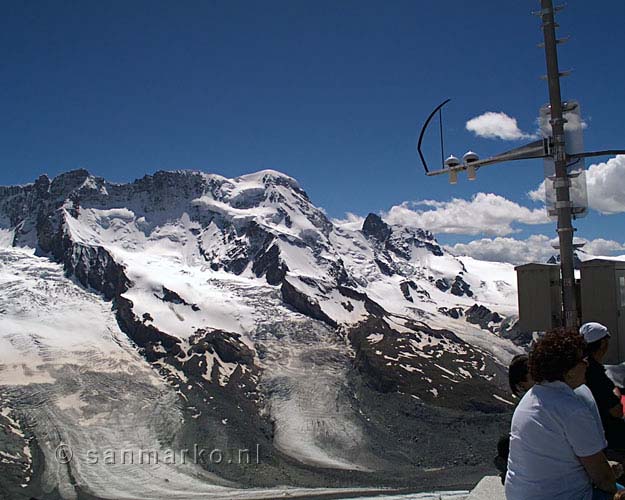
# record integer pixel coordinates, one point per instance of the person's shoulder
(560, 398)
(584, 392)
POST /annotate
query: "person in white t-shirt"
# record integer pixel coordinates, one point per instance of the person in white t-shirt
(556, 446)
(520, 382)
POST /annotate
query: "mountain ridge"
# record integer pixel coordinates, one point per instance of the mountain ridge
(260, 311)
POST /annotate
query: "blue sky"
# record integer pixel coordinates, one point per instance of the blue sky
(332, 93)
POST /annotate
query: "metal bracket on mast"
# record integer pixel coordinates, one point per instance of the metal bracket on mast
(562, 74)
(544, 12)
(559, 41)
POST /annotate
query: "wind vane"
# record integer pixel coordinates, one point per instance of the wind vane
(562, 150)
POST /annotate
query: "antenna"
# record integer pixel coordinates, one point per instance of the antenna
(424, 128)
(562, 151)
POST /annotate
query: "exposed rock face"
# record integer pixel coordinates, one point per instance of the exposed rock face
(443, 284)
(509, 329)
(391, 361)
(482, 316)
(174, 298)
(457, 287)
(270, 265)
(460, 287)
(409, 286)
(453, 312)
(304, 304)
(374, 227)
(154, 343)
(227, 345)
(94, 267)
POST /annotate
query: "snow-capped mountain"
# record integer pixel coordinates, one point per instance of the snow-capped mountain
(190, 309)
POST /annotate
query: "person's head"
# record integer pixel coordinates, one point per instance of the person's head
(518, 375)
(597, 338)
(559, 355)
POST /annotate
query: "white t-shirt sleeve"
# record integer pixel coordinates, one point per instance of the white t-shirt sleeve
(582, 433)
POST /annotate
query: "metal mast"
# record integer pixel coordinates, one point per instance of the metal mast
(562, 182)
(551, 148)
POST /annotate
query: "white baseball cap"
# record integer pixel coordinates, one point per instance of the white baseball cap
(593, 331)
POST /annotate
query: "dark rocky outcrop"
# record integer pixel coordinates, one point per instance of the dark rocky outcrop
(479, 315)
(303, 303)
(237, 259)
(384, 268)
(270, 265)
(374, 227)
(509, 329)
(434, 365)
(443, 284)
(174, 298)
(371, 306)
(452, 312)
(147, 337)
(94, 267)
(228, 346)
(461, 287)
(406, 286)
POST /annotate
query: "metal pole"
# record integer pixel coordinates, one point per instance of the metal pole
(562, 182)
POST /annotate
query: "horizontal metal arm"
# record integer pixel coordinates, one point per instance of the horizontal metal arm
(608, 152)
(533, 150)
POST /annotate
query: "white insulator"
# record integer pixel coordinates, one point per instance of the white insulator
(471, 174)
(452, 161)
(470, 157)
(453, 177)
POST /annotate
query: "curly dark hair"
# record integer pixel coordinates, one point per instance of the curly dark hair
(555, 354)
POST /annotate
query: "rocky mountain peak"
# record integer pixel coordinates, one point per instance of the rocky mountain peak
(577, 262)
(63, 184)
(374, 227)
(42, 184)
(270, 177)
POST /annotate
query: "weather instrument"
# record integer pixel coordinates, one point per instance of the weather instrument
(542, 148)
(561, 148)
(470, 160)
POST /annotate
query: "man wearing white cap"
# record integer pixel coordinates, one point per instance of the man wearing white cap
(597, 339)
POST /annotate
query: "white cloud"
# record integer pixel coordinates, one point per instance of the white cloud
(496, 126)
(351, 222)
(605, 185)
(485, 213)
(538, 194)
(536, 248)
(601, 247)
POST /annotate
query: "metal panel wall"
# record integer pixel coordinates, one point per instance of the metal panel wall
(601, 302)
(539, 295)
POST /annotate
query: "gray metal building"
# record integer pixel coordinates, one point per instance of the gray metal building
(603, 300)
